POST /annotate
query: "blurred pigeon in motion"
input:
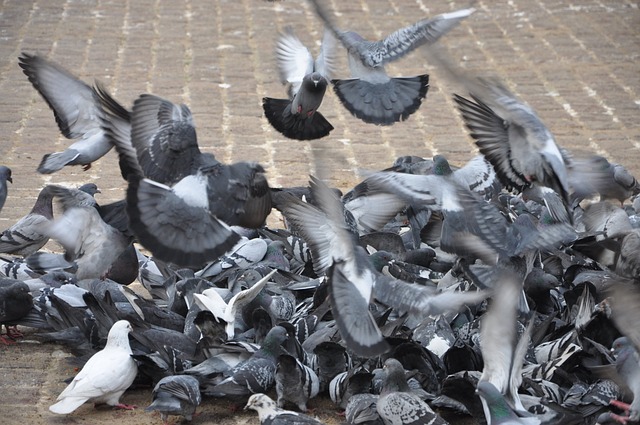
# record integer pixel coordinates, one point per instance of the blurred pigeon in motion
(15, 303)
(105, 377)
(5, 176)
(181, 202)
(397, 405)
(371, 94)
(176, 395)
(27, 235)
(297, 117)
(77, 111)
(595, 175)
(270, 414)
(512, 137)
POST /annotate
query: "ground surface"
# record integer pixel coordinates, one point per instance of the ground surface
(575, 62)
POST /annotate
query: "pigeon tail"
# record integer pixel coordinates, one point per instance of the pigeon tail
(382, 104)
(68, 405)
(278, 113)
(56, 161)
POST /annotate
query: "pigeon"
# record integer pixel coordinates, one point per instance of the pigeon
(628, 367)
(15, 303)
(181, 202)
(298, 117)
(257, 373)
(176, 395)
(105, 377)
(211, 300)
(270, 414)
(5, 176)
(295, 382)
(595, 175)
(498, 410)
(76, 108)
(371, 94)
(397, 405)
(28, 235)
(512, 138)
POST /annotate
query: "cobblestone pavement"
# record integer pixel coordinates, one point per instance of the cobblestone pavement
(575, 63)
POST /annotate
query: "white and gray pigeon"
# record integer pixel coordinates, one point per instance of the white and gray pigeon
(76, 108)
(270, 414)
(181, 202)
(371, 94)
(28, 235)
(176, 395)
(105, 376)
(298, 117)
(5, 176)
(397, 405)
(512, 137)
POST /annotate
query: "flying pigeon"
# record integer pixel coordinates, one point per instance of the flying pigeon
(27, 235)
(15, 303)
(105, 377)
(512, 137)
(176, 395)
(371, 94)
(181, 202)
(76, 107)
(270, 414)
(298, 117)
(5, 176)
(397, 405)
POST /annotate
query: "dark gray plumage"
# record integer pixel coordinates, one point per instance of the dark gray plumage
(76, 108)
(297, 117)
(176, 395)
(295, 382)
(371, 94)
(15, 303)
(5, 176)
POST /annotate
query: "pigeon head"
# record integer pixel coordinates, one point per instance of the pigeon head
(260, 402)
(394, 376)
(119, 334)
(5, 173)
(89, 188)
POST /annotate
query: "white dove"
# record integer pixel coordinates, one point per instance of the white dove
(105, 377)
(211, 300)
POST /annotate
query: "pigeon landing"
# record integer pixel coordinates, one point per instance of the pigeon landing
(77, 111)
(371, 94)
(297, 117)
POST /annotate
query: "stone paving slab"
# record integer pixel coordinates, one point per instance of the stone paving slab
(576, 63)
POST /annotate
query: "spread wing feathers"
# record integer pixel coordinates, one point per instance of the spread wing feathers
(294, 59)
(327, 61)
(174, 226)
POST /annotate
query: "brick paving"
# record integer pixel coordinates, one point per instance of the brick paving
(575, 63)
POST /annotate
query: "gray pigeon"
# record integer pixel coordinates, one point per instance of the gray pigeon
(181, 202)
(176, 395)
(595, 175)
(76, 107)
(371, 94)
(298, 117)
(498, 411)
(397, 405)
(512, 137)
(295, 382)
(15, 303)
(27, 235)
(105, 377)
(270, 414)
(5, 176)
(628, 367)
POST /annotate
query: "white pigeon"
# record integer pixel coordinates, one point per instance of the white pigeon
(105, 377)
(211, 300)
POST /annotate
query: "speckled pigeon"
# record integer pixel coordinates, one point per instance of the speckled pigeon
(371, 94)
(298, 117)
(270, 414)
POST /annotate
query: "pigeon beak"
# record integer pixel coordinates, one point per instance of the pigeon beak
(10, 179)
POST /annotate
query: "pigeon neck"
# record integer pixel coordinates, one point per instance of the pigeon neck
(396, 382)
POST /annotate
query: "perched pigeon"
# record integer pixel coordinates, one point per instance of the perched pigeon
(181, 202)
(176, 395)
(397, 405)
(270, 414)
(5, 176)
(15, 303)
(297, 117)
(105, 377)
(77, 111)
(295, 382)
(371, 94)
(28, 234)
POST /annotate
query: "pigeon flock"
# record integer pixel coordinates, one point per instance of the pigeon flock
(503, 291)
